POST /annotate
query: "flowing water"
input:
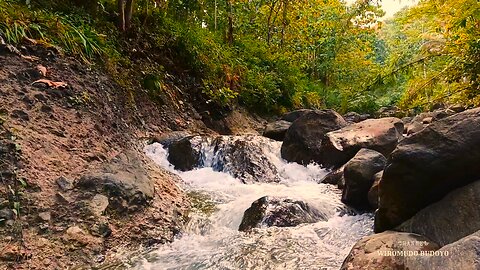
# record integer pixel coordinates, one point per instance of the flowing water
(214, 242)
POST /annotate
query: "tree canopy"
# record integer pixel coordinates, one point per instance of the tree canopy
(274, 55)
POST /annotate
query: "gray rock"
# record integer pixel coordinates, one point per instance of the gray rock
(463, 254)
(182, 155)
(303, 139)
(334, 177)
(276, 130)
(64, 184)
(7, 214)
(427, 166)
(370, 253)
(45, 216)
(244, 158)
(450, 219)
(373, 192)
(279, 212)
(294, 115)
(354, 117)
(98, 204)
(381, 135)
(123, 178)
(359, 177)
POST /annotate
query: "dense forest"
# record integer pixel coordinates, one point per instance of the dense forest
(269, 55)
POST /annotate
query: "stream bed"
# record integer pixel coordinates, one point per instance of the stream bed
(212, 240)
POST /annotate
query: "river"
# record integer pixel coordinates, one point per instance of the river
(211, 239)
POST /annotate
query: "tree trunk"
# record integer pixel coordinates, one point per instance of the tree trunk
(128, 14)
(230, 23)
(125, 11)
(121, 15)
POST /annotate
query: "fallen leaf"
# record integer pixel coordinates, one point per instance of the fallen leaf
(42, 70)
(33, 41)
(50, 83)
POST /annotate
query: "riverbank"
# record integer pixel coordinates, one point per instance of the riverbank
(63, 121)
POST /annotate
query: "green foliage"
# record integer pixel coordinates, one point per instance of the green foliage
(71, 33)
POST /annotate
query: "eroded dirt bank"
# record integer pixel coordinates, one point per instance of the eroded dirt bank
(65, 153)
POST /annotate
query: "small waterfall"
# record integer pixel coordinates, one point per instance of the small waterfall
(212, 241)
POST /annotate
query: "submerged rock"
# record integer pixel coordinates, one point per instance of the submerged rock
(359, 177)
(279, 212)
(381, 135)
(428, 165)
(276, 130)
(303, 139)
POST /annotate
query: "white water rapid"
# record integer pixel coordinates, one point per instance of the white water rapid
(214, 242)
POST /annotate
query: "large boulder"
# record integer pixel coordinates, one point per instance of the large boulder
(373, 192)
(245, 157)
(182, 155)
(124, 179)
(428, 165)
(381, 135)
(388, 250)
(276, 130)
(452, 218)
(359, 176)
(279, 212)
(303, 139)
(294, 115)
(463, 254)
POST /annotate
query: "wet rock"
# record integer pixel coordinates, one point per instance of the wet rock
(359, 177)
(373, 192)
(123, 179)
(303, 139)
(381, 135)
(294, 115)
(64, 183)
(19, 114)
(245, 158)
(279, 212)
(98, 204)
(182, 155)
(334, 177)
(168, 138)
(276, 130)
(371, 251)
(428, 165)
(455, 216)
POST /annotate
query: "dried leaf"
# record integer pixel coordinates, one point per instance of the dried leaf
(50, 83)
(42, 70)
(30, 57)
(33, 41)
